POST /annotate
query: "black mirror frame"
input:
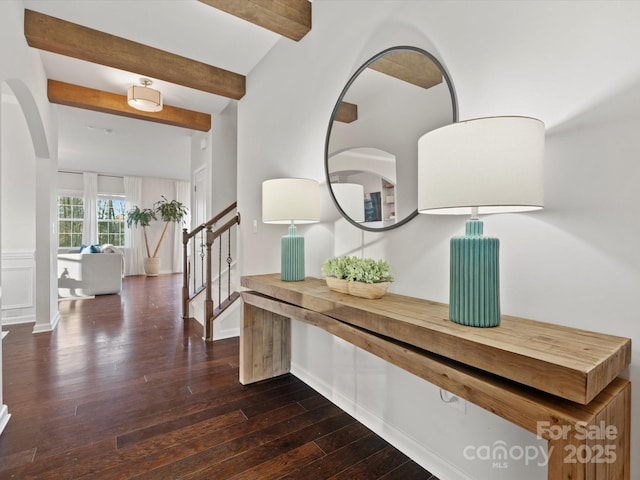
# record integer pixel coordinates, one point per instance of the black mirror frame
(454, 108)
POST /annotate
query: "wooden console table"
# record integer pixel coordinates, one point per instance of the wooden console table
(557, 382)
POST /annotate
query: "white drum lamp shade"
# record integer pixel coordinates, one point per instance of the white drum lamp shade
(291, 201)
(481, 166)
(494, 163)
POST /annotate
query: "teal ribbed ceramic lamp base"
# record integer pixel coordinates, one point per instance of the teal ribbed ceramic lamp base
(292, 256)
(474, 295)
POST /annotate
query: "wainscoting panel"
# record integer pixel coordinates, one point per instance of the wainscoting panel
(18, 286)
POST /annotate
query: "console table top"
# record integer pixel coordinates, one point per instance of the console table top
(567, 362)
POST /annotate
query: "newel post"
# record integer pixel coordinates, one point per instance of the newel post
(208, 303)
(185, 275)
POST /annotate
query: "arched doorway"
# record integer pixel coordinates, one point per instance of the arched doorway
(37, 216)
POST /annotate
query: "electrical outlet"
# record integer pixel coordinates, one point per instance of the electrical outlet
(453, 401)
(255, 226)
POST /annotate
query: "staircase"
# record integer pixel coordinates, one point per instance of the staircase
(210, 283)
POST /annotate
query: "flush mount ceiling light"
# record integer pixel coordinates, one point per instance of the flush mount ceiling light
(141, 97)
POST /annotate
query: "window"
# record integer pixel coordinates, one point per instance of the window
(70, 220)
(111, 217)
(110, 214)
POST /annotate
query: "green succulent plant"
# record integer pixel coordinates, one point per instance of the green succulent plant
(366, 270)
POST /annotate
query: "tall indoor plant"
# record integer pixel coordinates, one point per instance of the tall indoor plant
(168, 212)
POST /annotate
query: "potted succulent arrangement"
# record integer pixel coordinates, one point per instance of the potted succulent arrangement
(168, 211)
(361, 277)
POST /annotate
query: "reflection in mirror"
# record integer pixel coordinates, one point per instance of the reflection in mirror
(375, 171)
(349, 196)
(372, 140)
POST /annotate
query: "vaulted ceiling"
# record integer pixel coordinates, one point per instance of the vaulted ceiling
(197, 53)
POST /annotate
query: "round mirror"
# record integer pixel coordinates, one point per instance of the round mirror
(372, 140)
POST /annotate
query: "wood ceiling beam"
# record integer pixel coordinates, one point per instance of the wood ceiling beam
(289, 18)
(73, 40)
(411, 67)
(347, 113)
(107, 102)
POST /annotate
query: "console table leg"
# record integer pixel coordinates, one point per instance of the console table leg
(265, 344)
(598, 449)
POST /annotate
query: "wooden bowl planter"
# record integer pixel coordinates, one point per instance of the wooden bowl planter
(337, 284)
(365, 278)
(358, 289)
(368, 290)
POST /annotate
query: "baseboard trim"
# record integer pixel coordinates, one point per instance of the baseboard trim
(4, 417)
(56, 320)
(51, 326)
(399, 439)
(230, 316)
(19, 320)
(225, 334)
(77, 297)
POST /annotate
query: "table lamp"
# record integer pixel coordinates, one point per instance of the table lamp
(481, 166)
(291, 201)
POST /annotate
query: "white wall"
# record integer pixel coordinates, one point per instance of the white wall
(18, 179)
(18, 227)
(575, 66)
(224, 154)
(216, 151)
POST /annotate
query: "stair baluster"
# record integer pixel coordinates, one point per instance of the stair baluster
(206, 236)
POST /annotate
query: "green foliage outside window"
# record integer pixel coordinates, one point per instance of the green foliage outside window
(70, 221)
(111, 217)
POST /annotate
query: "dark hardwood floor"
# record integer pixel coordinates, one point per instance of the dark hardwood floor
(125, 389)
